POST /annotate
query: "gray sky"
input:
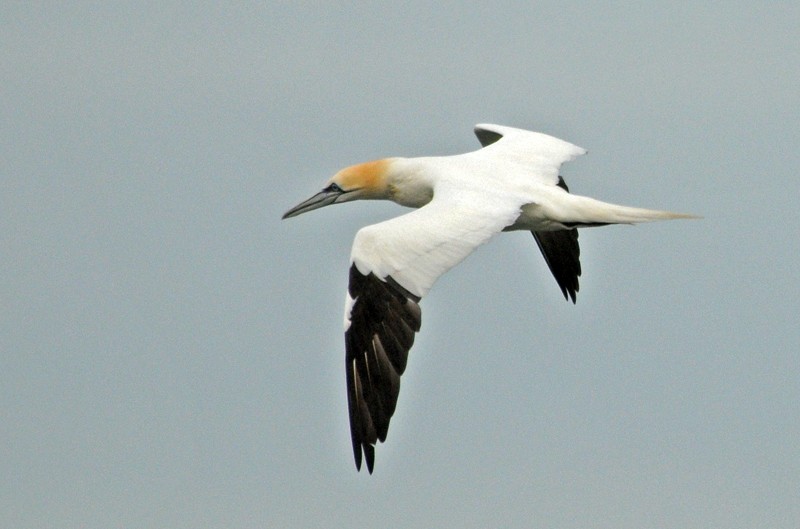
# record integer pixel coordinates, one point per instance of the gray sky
(172, 352)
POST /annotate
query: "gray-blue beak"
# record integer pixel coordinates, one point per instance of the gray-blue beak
(323, 198)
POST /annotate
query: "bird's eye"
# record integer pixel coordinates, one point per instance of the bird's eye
(334, 188)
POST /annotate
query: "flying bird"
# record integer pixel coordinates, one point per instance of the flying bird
(511, 183)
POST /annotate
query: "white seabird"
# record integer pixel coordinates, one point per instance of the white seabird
(512, 183)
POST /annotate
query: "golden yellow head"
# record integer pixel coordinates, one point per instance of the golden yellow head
(367, 180)
(364, 180)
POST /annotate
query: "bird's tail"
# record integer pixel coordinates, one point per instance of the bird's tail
(578, 211)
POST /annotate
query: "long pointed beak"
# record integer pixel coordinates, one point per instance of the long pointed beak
(320, 200)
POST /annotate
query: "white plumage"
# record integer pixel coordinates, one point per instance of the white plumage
(512, 183)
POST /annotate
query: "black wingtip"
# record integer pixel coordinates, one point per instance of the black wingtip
(369, 452)
(384, 319)
(571, 294)
(487, 137)
(357, 455)
(561, 252)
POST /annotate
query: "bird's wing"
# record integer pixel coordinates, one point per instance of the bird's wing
(540, 153)
(543, 155)
(394, 263)
(562, 253)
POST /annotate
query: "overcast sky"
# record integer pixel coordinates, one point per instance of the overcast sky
(171, 352)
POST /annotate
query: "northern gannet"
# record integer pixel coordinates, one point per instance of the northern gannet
(512, 183)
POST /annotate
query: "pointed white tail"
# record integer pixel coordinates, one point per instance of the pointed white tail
(576, 209)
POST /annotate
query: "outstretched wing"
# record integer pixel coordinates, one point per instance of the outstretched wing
(560, 248)
(395, 263)
(540, 153)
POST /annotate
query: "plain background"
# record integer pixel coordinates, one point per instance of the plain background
(172, 354)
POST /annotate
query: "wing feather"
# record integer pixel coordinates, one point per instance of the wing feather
(381, 313)
(415, 249)
(562, 253)
(540, 153)
(394, 263)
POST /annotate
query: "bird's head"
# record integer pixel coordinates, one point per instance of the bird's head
(364, 181)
